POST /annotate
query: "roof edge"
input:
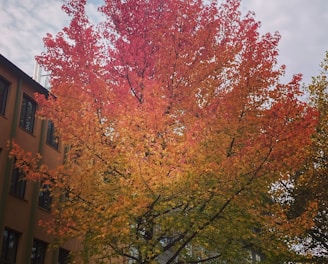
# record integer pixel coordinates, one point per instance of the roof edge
(20, 73)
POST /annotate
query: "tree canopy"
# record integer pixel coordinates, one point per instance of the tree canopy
(176, 127)
(311, 182)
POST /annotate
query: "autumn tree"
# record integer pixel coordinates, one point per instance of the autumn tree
(176, 126)
(311, 182)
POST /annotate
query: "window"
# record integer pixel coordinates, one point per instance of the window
(52, 140)
(38, 252)
(18, 183)
(9, 247)
(63, 257)
(45, 198)
(27, 114)
(3, 95)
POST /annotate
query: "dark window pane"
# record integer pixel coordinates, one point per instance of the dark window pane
(52, 140)
(9, 247)
(3, 95)
(63, 257)
(27, 114)
(38, 252)
(18, 183)
(45, 198)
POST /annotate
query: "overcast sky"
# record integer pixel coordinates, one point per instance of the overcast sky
(303, 25)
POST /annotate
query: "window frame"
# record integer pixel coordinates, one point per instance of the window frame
(17, 184)
(9, 254)
(45, 198)
(4, 84)
(38, 245)
(52, 140)
(26, 119)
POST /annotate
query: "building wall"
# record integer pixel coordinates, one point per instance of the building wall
(21, 215)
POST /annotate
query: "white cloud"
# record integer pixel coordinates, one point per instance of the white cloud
(302, 25)
(25, 23)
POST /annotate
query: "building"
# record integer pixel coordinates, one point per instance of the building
(23, 204)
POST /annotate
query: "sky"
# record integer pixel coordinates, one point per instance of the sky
(302, 24)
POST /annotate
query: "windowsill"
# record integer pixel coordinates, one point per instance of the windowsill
(17, 197)
(44, 209)
(27, 132)
(53, 147)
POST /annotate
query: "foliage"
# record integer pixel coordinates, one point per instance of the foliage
(311, 184)
(176, 126)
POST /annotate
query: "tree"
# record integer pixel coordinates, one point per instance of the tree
(176, 126)
(311, 184)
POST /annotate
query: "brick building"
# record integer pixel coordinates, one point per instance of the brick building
(23, 204)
